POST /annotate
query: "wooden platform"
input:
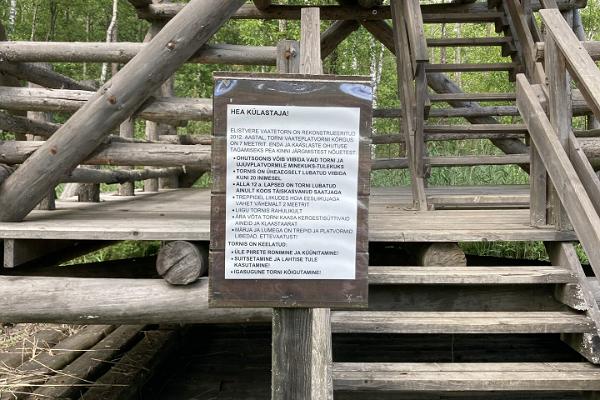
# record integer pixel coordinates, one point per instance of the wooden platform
(184, 215)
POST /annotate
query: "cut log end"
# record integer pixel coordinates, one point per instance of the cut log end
(182, 263)
(441, 255)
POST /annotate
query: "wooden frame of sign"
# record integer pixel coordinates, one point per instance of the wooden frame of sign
(291, 180)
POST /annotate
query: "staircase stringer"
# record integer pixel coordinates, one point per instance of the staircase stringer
(587, 344)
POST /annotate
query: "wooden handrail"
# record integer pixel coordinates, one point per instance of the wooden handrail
(573, 194)
(579, 63)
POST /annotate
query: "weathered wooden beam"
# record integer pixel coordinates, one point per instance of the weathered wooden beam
(42, 76)
(432, 13)
(405, 71)
(45, 299)
(457, 161)
(592, 47)
(159, 109)
(301, 338)
(182, 263)
(49, 252)
(126, 131)
(116, 101)
(128, 375)
(335, 34)
(96, 176)
(154, 155)
(87, 367)
(440, 254)
(560, 115)
(23, 125)
(123, 52)
(66, 351)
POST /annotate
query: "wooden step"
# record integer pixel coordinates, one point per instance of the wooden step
(465, 376)
(461, 322)
(469, 275)
(477, 128)
(445, 97)
(469, 42)
(483, 67)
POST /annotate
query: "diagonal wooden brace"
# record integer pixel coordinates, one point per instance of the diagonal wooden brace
(112, 104)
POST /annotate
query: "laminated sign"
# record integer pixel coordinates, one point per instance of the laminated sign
(291, 164)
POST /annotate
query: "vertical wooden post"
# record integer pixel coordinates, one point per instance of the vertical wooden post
(560, 114)
(152, 128)
(408, 98)
(127, 130)
(301, 360)
(48, 202)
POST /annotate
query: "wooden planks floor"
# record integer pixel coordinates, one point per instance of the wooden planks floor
(185, 214)
(233, 362)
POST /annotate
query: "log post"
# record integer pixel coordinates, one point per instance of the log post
(152, 128)
(182, 263)
(301, 359)
(48, 202)
(112, 104)
(440, 255)
(126, 130)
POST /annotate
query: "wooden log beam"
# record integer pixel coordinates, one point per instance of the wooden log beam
(67, 350)
(116, 101)
(153, 155)
(432, 13)
(335, 34)
(458, 161)
(433, 137)
(182, 263)
(123, 52)
(90, 365)
(127, 377)
(42, 76)
(592, 47)
(45, 299)
(96, 176)
(160, 109)
(440, 254)
(301, 338)
(24, 252)
(23, 125)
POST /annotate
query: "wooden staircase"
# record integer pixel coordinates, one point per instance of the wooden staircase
(546, 300)
(572, 311)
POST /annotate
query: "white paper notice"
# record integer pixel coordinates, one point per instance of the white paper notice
(292, 177)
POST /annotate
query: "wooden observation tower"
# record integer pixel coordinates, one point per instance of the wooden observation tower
(435, 328)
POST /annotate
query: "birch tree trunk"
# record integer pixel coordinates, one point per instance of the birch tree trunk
(12, 17)
(110, 36)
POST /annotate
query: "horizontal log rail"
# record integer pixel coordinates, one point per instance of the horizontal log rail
(147, 154)
(456, 161)
(86, 175)
(123, 52)
(432, 13)
(161, 109)
(592, 47)
(173, 109)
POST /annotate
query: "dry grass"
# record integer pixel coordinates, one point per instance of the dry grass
(19, 339)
